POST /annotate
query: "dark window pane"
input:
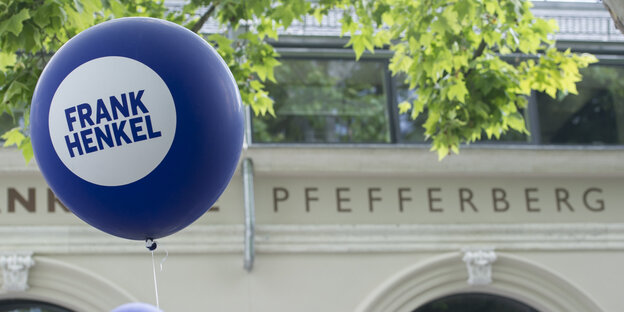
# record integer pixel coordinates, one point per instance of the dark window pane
(7, 122)
(594, 116)
(326, 101)
(475, 302)
(29, 306)
(410, 130)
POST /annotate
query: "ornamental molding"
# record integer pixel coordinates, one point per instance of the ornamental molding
(437, 237)
(222, 239)
(15, 267)
(408, 161)
(479, 265)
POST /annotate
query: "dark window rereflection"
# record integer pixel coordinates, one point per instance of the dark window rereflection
(594, 116)
(326, 101)
(8, 122)
(19, 305)
(410, 130)
(475, 302)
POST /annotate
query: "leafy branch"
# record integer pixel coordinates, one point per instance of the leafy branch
(451, 53)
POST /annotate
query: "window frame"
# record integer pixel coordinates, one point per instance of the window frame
(338, 54)
(333, 48)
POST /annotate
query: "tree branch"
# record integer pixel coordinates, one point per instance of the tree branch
(202, 20)
(478, 52)
(616, 9)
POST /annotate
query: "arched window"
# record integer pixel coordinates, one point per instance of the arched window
(475, 302)
(19, 305)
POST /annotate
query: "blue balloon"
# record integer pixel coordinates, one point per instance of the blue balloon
(137, 126)
(136, 307)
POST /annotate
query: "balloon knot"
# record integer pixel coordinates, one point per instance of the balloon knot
(150, 244)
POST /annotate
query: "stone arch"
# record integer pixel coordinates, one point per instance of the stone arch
(446, 274)
(70, 286)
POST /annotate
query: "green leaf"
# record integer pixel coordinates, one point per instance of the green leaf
(404, 107)
(452, 18)
(360, 43)
(492, 37)
(400, 63)
(318, 15)
(223, 43)
(440, 25)
(382, 38)
(261, 71)
(457, 91)
(455, 149)
(285, 15)
(13, 137)
(270, 63)
(491, 7)
(256, 85)
(418, 106)
(27, 150)
(516, 122)
(464, 9)
(42, 16)
(6, 59)
(15, 23)
(443, 151)
(116, 7)
(348, 25)
(387, 18)
(14, 90)
(31, 38)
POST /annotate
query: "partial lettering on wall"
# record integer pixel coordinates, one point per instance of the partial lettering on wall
(380, 200)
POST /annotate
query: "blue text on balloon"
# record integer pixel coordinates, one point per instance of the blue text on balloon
(108, 127)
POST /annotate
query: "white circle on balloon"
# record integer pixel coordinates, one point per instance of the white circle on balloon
(112, 120)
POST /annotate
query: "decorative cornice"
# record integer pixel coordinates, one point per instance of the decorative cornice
(410, 161)
(324, 238)
(413, 238)
(88, 240)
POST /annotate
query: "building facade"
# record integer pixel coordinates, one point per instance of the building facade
(338, 205)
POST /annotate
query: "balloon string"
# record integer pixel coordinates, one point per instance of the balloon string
(155, 282)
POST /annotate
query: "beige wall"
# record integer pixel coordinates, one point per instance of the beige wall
(312, 281)
(332, 259)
